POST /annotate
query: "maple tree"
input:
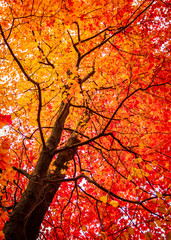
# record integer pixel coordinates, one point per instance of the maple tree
(85, 92)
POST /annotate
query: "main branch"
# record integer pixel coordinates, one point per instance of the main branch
(25, 213)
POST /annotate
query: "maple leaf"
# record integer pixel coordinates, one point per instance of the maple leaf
(104, 199)
(114, 203)
(5, 119)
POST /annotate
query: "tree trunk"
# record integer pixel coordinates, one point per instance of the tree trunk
(27, 216)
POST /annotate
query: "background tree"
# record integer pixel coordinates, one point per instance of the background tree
(87, 84)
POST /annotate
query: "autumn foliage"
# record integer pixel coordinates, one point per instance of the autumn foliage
(85, 96)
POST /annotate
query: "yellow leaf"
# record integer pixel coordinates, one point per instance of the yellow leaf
(167, 198)
(141, 145)
(149, 167)
(154, 163)
(52, 168)
(63, 171)
(146, 174)
(130, 178)
(104, 199)
(137, 160)
(140, 173)
(114, 203)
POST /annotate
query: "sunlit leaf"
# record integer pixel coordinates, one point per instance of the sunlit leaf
(104, 199)
(114, 203)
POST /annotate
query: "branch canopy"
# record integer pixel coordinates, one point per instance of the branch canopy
(85, 106)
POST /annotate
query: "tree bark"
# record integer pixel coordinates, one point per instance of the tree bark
(27, 216)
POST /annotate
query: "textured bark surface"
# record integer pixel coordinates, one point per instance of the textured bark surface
(28, 214)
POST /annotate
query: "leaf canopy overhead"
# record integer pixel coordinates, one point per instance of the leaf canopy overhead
(111, 61)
